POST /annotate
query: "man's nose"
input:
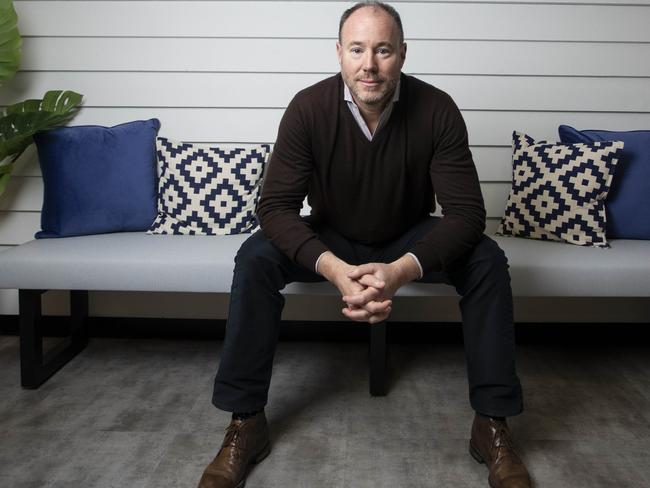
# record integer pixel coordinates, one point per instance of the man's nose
(369, 62)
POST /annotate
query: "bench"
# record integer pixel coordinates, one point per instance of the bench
(163, 263)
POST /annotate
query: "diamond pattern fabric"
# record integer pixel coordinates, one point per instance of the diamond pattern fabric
(558, 190)
(206, 190)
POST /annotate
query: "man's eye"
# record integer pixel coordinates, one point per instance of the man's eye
(355, 50)
(383, 52)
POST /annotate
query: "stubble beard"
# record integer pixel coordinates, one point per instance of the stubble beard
(371, 97)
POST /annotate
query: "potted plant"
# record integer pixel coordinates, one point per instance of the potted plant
(20, 121)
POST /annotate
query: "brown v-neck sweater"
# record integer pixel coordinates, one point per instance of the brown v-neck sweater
(372, 191)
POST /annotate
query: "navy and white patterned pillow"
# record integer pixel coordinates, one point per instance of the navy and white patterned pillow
(558, 190)
(205, 190)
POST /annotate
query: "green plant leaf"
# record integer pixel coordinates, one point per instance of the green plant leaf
(10, 41)
(22, 120)
(5, 173)
(56, 102)
(4, 179)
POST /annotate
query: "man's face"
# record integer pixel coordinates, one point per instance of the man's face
(370, 55)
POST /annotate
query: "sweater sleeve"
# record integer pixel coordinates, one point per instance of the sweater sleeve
(456, 186)
(284, 189)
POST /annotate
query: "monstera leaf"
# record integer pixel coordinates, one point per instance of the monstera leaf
(10, 41)
(21, 121)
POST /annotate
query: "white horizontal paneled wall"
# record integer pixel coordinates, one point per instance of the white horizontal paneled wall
(467, 57)
(227, 90)
(223, 72)
(423, 20)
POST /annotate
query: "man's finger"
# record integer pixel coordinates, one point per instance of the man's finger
(371, 280)
(376, 307)
(362, 297)
(376, 318)
(362, 269)
(360, 315)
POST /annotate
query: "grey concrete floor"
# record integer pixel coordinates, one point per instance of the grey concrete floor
(137, 413)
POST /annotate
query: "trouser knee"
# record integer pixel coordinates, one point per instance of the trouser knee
(486, 264)
(257, 258)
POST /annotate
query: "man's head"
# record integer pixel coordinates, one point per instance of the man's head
(371, 51)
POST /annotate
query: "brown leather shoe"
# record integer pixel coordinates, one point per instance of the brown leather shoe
(246, 443)
(491, 444)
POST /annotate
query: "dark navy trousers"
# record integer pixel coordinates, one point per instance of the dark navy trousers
(480, 277)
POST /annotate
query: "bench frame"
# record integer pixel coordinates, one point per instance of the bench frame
(36, 368)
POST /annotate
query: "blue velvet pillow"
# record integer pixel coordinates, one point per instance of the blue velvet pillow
(628, 203)
(98, 179)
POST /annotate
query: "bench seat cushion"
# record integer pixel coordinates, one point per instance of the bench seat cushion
(140, 262)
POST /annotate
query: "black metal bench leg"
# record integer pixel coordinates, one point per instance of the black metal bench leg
(35, 367)
(78, 318)
(378, 359)
(31, 347)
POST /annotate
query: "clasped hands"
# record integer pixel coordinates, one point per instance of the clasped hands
(368, 289)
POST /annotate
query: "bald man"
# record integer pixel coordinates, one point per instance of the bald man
(368, 147)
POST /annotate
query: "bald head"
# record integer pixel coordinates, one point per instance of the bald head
(378, 7)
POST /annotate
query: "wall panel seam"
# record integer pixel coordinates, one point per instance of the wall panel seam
(330, 73)
(333, 39)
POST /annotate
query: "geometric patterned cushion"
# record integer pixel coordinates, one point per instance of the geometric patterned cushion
(204, 190)
(558, 190)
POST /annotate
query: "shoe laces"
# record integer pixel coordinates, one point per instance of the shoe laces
(233, 436)
(502, 443)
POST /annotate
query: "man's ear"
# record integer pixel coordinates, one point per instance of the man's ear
(339, 51)
(402, 51)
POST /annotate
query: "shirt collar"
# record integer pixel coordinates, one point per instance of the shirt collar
(347, 94)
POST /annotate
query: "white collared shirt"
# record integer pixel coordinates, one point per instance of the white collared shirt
(356, 113)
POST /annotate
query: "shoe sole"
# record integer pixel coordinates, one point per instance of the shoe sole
(257, 459)
(475, 454)
(479, 459)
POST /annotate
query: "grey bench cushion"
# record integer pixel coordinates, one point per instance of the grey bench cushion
(140, 262)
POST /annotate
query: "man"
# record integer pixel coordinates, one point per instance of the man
(369, 146)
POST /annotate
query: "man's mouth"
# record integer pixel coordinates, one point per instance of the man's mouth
(370, 82)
